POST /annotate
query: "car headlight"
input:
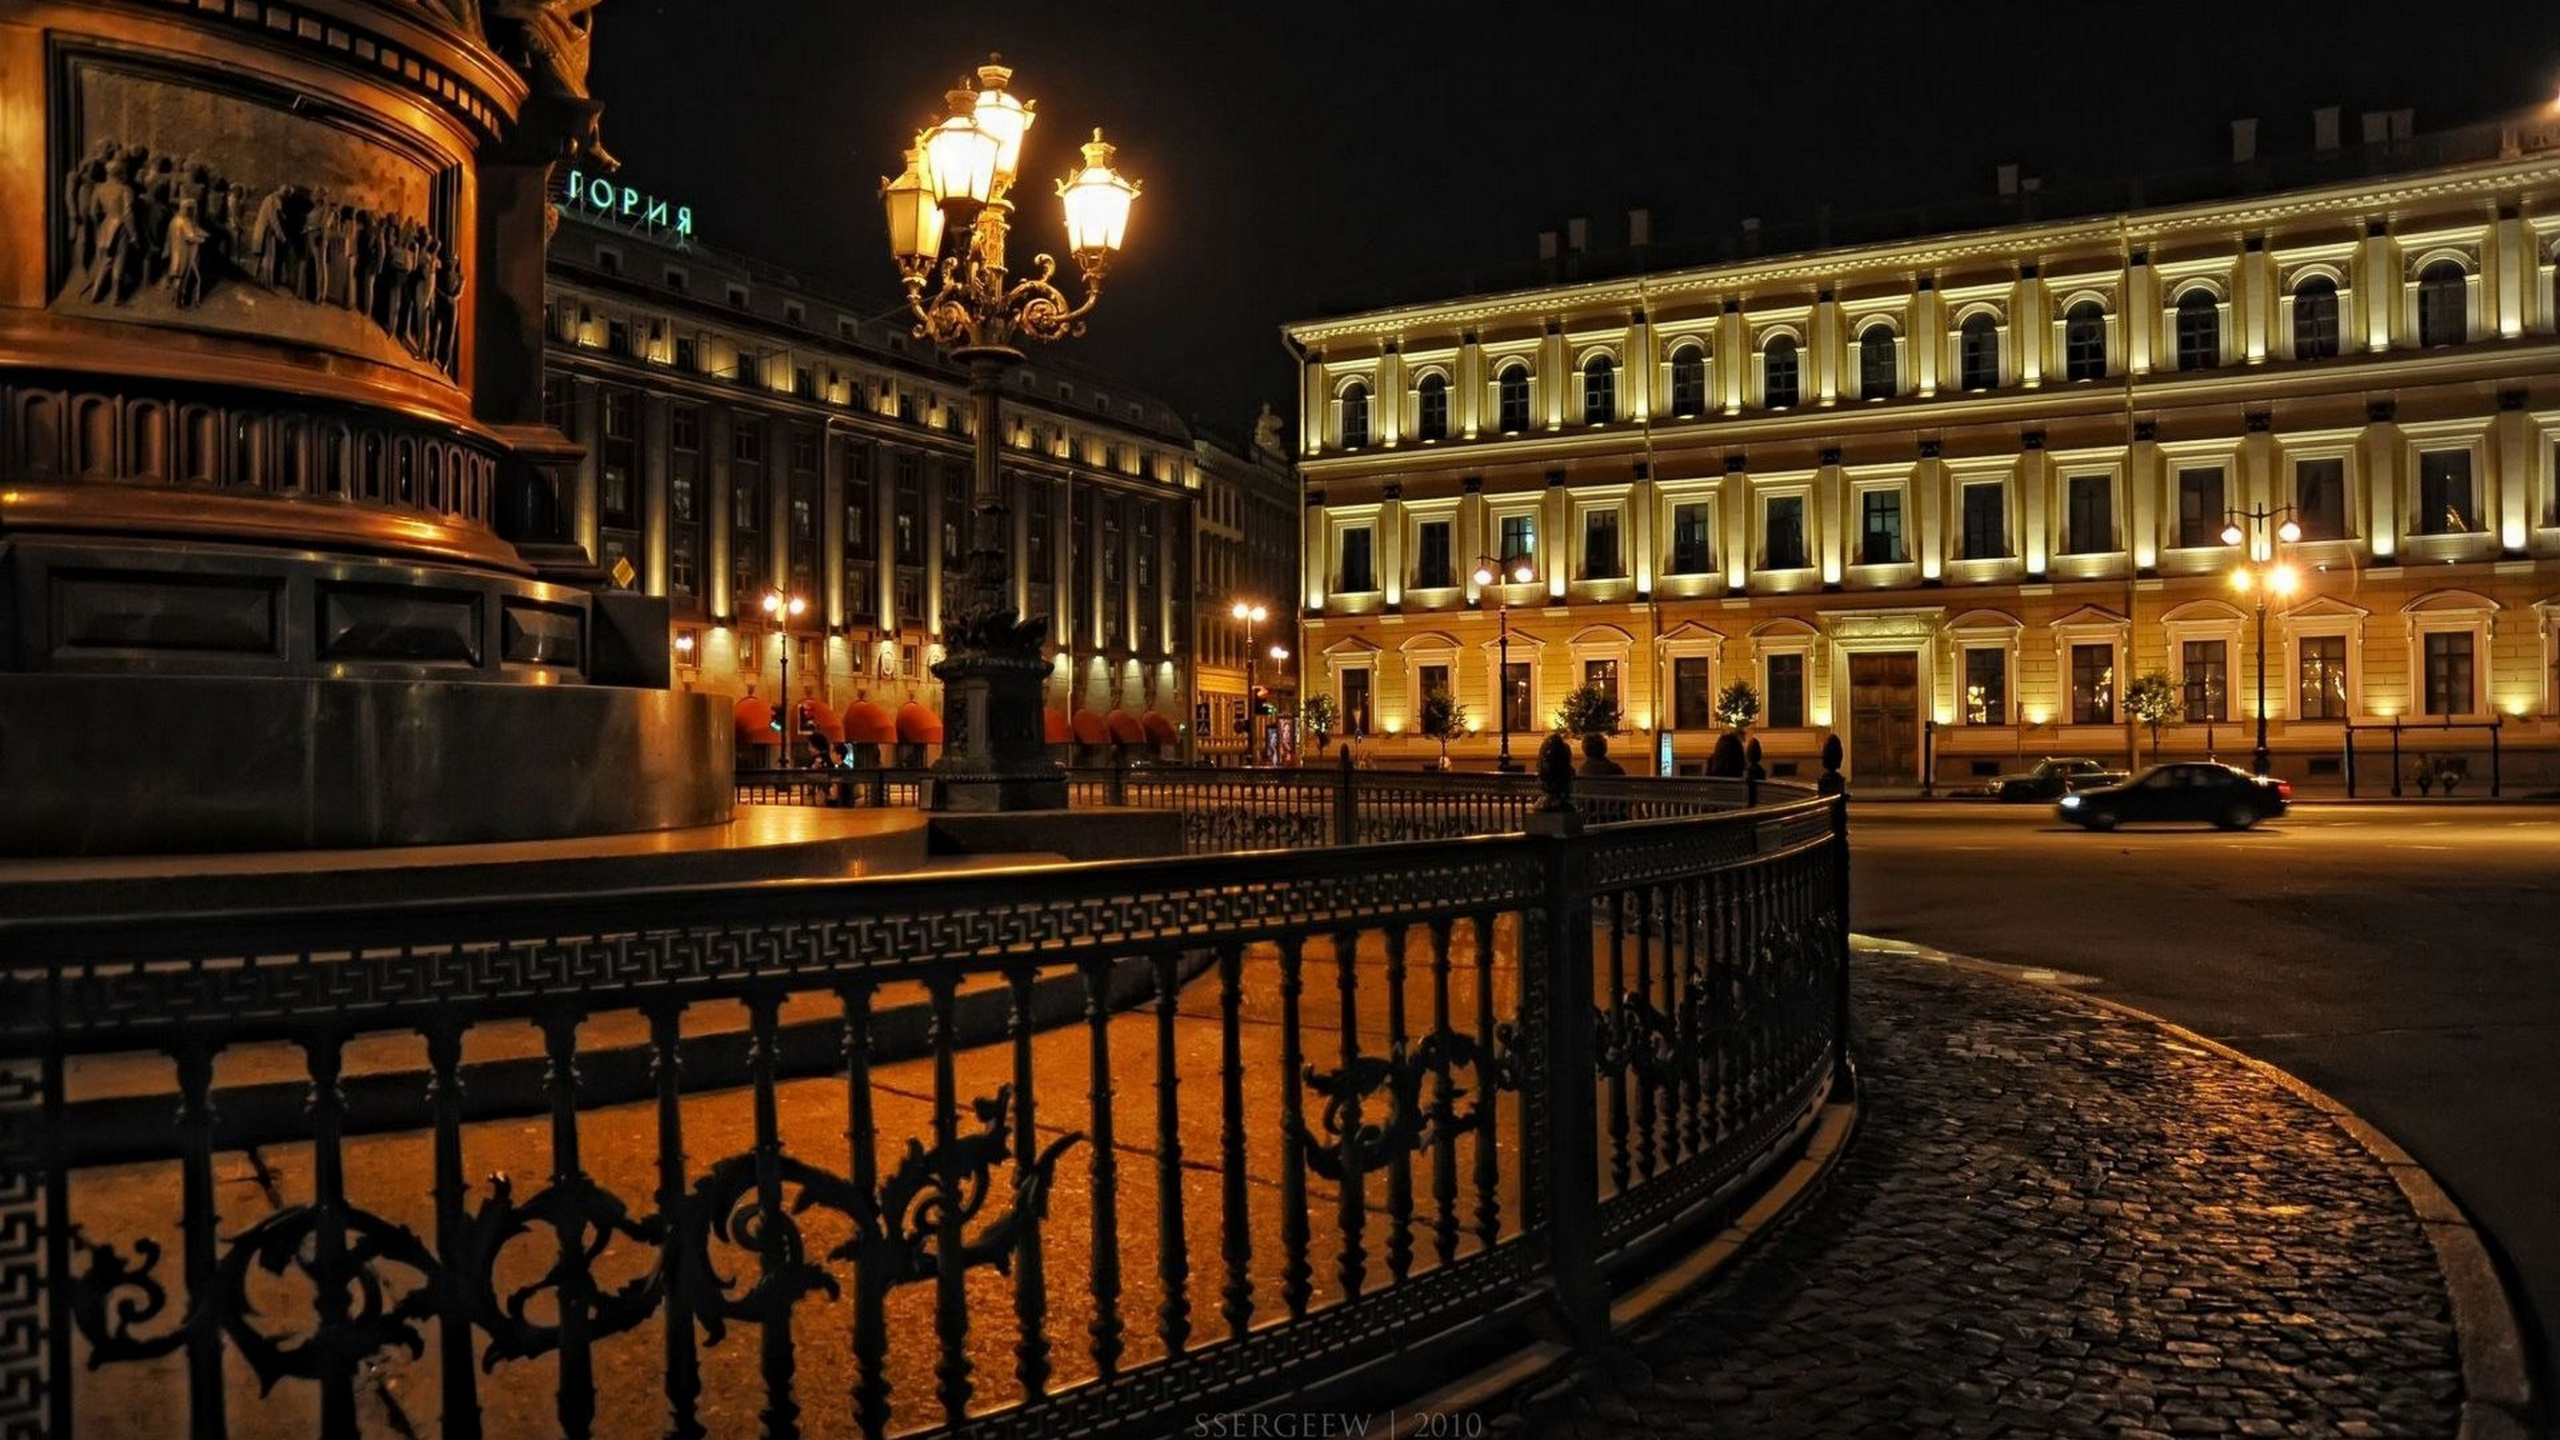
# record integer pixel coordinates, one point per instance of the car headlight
(2070, 800)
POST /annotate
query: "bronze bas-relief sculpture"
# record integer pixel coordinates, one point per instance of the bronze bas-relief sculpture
(139, 220)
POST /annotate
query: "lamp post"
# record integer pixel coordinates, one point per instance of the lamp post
(1518, 570)
(782, 609)
(1249, 615)
(2262, 529)
(956, 187)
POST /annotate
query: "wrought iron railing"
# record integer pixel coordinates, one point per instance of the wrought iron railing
(1417, 1098)
(1288, 809)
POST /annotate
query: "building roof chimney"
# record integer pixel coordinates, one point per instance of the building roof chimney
(2244, 141)
(2008, 181)
(1639, 227)
(1577, 234)
(1546, 244)
(2324, 128)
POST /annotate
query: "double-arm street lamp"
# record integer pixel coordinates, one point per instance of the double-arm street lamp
(781, 609)
(956, 187)
(2262, 574)
(1491, 574)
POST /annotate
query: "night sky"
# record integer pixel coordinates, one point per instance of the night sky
(1293, 155)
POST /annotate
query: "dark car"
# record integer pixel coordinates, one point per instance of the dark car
(2054, 777)
(2214, 794)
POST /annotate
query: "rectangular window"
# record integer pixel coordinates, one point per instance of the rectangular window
(1986, 520)
(1600, 546)
(2205, 670)
(2093, 684)
(1782, 541)
(2090, 527)
(1519, 538)
(1693, 698)
(1516, 696)
(1690, 552)
(2324, 677)
(1880, 528)
(1429, 680)
(1358, 574)
(1603, 673)
(1786, 692)
(2320, 498)
(1355, 702)
(2200, 508)
(2449, 688)
(906, 514)
(1986, 686)
(2444, 493)
(1432, 564)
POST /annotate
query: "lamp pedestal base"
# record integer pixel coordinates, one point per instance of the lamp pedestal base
(994, 755)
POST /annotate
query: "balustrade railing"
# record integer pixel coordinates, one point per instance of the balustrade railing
(1293, 808)
(1411, 1100)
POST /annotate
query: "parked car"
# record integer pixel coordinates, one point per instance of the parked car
(2054, 777)
(2219, 795)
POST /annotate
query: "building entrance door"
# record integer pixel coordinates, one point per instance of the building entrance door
(1884, 717)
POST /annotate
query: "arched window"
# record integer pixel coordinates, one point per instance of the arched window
(1779, 386)
(2443, 296)
(1433, 422)
(1355, 415)
(1688, 382)
(2315, 319)
(1599, 391)
(1878, 375)
(1978, 354)
(2084, 342)
(2199, 331)
(1511, 399)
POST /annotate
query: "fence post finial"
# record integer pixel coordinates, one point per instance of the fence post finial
(1832, 782)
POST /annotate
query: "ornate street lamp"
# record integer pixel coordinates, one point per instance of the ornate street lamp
(956, 189)
(781, 609)
(2262, 529)
(1250, 615)
(1518, 570)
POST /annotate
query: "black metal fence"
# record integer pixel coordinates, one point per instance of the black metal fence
(1418, 1098)
(1227, 809)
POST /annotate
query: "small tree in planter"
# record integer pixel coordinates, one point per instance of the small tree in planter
(2153, 700)
(1441, 717)
(1319, 716)
(1588, 710)
(1737, 705)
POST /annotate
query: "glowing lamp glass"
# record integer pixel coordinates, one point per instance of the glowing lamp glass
(1485, 575)
(1097, 199)
(1523, 573)
(915, 217)
(959, 162)
(2288, 532)
(2231, 535)
(997, 112)
(2283, 579)
(2241, 581)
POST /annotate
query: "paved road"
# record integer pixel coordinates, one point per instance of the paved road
(2405, 958)
(2053, 1221)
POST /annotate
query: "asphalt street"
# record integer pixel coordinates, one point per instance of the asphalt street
(2405, 958)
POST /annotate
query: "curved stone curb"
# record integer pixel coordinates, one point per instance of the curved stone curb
(2496, 1384)
(1548, 1360)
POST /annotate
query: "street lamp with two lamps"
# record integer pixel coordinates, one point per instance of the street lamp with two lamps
(956, 188)
(1492, 574)
(2263, 573)
(1249, 615)
(781, 609)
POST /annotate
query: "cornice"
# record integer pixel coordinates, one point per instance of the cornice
(2348, 201)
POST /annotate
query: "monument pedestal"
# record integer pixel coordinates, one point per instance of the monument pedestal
(994, 757)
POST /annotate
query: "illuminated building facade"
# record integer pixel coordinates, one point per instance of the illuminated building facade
(1247, 540)
(747, 432)
(1974, 482)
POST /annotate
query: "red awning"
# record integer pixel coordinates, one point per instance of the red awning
(918, 726)
(1125, 728)
(1054, 729)
(1090, 730)
(755, 722)
(867, 724)
(824, 720)
(1160, 731)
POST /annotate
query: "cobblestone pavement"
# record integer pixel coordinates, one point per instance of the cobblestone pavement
(2053, 1220)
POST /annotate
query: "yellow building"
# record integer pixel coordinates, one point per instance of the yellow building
(1955, 492)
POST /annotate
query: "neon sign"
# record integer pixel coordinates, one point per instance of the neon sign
(599, 196)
